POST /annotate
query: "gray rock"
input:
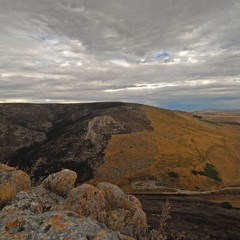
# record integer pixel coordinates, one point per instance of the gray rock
(55, 225)
(86, 200)
(61, 182)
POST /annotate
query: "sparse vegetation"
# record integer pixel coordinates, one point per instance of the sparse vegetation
(197, 116)
(176, 144)
(194, 172)
(173, 175)
(210, 122)
(160, 233)
(209, 171)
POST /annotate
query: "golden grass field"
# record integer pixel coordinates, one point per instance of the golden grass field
(176, 153)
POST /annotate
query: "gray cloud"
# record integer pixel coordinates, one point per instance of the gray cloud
(89, 50)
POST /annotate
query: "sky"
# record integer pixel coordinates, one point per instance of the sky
(182, 54)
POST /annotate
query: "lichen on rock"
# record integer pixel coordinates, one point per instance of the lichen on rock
(12, 181)
(56, 210)
(86, 200)
(61, 182)
(108, 204)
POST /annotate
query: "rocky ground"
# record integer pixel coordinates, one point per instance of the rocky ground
(57, 210)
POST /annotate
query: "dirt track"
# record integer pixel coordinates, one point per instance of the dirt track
(198, 218)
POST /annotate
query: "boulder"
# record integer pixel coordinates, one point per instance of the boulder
(12, 181)
(85, 200)
(56, 210)
(108, 204)
(62, 182)
(116, 199)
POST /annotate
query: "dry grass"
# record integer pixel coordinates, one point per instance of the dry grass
(179, 143)
(160, 233)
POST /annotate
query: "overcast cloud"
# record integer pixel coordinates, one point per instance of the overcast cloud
(182, 54)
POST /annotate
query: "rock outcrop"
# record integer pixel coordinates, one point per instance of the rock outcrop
(108, 204)
(57, 210)
(45, 138)
(12, 181)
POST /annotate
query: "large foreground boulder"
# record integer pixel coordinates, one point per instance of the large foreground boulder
(57, 210)
(86, 200)
(108, 204)
(12, 181)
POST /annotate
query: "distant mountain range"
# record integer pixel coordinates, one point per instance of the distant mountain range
(138, 147)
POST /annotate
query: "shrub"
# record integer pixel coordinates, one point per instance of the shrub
(197, 116)
(211, 172)
(173, 175)
(226, 205)
(194, 172)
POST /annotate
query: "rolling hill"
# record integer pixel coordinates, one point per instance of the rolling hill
(138, 147)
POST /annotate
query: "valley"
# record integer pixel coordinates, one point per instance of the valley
(191, 159)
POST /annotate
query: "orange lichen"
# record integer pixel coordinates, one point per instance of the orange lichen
(6, 167)
(55, 221)
(11, 224)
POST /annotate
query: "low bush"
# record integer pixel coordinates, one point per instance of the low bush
(173, 175)
(209, 171)
(194, 172)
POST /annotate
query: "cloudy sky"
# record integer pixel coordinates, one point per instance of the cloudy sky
(182, 54)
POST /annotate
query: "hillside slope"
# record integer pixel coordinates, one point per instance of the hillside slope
(44, 138)
(181, 152)
(134, 146)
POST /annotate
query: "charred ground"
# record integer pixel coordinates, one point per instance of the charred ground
(42, 139)
(141, 149)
